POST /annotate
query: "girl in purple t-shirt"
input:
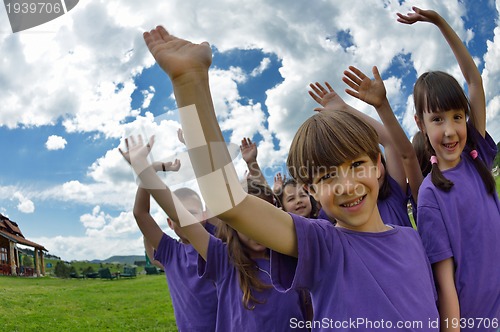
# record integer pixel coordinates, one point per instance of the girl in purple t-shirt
(458, 207)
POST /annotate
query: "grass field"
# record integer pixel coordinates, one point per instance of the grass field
(51, 304)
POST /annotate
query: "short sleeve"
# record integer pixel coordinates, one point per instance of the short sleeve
(164, 252)
(432, 229)
(486, 147)
(218, 261)
(317, 247)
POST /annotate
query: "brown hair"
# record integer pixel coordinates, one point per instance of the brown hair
(437, 91)
(244, 264)
(329, 139)
(239, 254)
(420, 146)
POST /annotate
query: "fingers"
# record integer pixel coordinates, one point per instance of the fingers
(376, 74)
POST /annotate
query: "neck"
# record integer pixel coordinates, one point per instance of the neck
(374, 224)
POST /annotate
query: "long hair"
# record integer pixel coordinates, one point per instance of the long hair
(329, 139)
(437, 91)
(239, 254)
(420, 146)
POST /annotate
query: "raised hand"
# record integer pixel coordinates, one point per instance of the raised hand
(177, 56)
(136, 151)
(326, 98)
(248, 150)
(278, 182)
(418, 15)
(168, 166)
(180, 136)
(370, 91)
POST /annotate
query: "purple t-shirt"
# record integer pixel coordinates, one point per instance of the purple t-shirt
(194, 299)
(360, 281)
(394, 209)
(464, 223)
(273, 315)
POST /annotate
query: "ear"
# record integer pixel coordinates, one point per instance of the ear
(379, 166)
(420, 124)
(170, 223)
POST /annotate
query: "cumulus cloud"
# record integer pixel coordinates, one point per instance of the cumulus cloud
(55, 142)
(84, 72)
(25, 205)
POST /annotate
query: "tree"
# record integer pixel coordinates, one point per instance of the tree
(27, 261)
(61, 270)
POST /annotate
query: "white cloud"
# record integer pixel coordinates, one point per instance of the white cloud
(55, 142)
(264, 64)
(82, 74)
(148, 96)
(25, 205)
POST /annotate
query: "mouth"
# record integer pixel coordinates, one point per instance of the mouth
(450, 146)
(353, 203)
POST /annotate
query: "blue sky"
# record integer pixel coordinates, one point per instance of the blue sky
(72, 88)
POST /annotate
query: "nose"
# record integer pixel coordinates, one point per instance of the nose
(345, 185)
(449, 129)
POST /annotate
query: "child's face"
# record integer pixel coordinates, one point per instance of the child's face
(447, 132)
(256, 249)
(296, 200)
(194, 206)
(349, 192)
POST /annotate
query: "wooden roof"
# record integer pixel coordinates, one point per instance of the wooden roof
(11, 231)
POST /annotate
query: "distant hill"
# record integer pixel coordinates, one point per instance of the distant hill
(120, 259)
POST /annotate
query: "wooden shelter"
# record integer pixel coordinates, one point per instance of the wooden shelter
(10, 255)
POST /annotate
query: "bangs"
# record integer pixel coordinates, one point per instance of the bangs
(439, 92)
(329, 139)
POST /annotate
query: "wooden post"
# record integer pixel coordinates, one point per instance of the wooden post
(42, 259)
(37, 263)
(11, 258)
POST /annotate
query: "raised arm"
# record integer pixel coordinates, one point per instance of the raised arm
(467, 65)
(373, 92)
(249, 154)
(187, 66)
(331, 101)
(151, 184)
(150, 253)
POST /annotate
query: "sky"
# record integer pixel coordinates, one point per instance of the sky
(73, 88)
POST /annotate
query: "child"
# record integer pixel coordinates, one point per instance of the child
(352, 270)
(191, 296)
(237, 265)
(295, 199)
(397, 166)
(458, 208)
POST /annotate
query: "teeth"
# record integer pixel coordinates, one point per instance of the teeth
(449, 146)
(356, 202)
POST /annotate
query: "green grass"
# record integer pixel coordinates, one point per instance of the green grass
(51, 304)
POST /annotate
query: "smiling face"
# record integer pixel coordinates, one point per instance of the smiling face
(349, 193)
(296, 200)
(447, 133)
(441, 114)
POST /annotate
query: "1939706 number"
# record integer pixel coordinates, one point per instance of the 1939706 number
(34, 8)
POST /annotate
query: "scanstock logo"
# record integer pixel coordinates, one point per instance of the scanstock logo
(26, 14)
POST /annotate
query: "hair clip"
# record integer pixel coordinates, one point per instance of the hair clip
(434, 160)
(473, 154)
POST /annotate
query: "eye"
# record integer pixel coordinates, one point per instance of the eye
(357, 163)
(327, 177)
(436, 119)
(458, 117)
